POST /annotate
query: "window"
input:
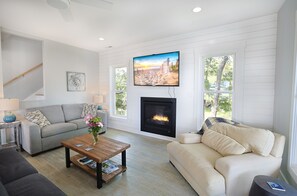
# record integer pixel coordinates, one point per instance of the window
(120, 91)
(218, 86)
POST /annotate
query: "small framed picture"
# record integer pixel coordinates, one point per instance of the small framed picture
(76, 81)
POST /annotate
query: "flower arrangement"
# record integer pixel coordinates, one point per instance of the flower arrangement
(95, 125)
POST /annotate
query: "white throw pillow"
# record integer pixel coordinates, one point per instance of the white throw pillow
(259, 141)
(222, 143)
(89, 109)
(38, 118)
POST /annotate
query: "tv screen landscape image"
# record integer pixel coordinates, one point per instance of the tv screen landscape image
(157, 69)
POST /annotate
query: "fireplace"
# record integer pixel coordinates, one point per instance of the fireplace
(158, 115)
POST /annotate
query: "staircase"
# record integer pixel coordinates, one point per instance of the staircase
(27, 85)
(38, 95)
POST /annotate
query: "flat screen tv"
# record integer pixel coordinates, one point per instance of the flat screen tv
(157, 69)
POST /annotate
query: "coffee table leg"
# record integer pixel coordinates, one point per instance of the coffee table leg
(67, 157)
(124, 158)
(99, 175)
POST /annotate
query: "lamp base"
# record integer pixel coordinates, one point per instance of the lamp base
(9, 118)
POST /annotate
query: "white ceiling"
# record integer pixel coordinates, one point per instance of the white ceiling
(128, 22)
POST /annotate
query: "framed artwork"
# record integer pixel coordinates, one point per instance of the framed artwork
(76, 81)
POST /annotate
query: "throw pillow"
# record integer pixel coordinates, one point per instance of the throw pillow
(38, 118)
(222, 143)
(89, 109)
(259, 141)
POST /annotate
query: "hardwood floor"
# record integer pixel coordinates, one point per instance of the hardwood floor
(148, 170)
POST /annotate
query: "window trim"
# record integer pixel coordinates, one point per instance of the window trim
(218, 91)
(113, 91)
(236, 49)
(292, 155)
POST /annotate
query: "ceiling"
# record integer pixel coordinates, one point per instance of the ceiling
(128, 22)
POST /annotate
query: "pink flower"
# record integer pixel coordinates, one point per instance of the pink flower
(100, 124)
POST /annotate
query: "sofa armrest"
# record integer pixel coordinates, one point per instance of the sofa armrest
(31, 137)
(103, 115)
(240, 170)
(189, 138)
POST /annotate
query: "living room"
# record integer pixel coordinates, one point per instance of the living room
(259, 37)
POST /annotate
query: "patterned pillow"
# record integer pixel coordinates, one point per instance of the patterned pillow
(38, 118)
(89, 109)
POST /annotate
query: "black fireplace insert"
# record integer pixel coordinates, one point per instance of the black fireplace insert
(158, 115)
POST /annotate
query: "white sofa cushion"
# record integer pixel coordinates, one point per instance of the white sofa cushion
(255, 140)
(279, 144)
(199, 162)
(221, 143)
(189, 138)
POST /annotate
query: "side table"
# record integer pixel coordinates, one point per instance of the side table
(16, 127)
(261, 188)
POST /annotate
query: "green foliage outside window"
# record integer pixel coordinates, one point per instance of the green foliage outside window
(218, 86)
(121, 91)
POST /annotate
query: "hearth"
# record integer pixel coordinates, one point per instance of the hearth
(158, 115)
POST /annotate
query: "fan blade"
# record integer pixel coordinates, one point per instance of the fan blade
(102, 4)
(66, 14)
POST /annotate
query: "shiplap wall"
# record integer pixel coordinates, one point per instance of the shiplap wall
(255, 39)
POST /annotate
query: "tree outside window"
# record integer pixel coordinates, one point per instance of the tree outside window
(120, 95)
(218, 86)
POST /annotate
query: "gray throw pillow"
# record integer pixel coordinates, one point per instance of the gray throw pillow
(38, 118)
(89, 109)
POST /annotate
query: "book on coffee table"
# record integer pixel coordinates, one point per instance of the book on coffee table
(84, 160)
(108, 166)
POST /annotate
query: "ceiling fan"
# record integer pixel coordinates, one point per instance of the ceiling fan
(63, 6)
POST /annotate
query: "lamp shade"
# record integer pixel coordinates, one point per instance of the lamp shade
(98, 99)
(9, 104)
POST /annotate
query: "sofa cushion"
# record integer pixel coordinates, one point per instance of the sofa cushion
(72, 111)
(57, 128)
(89, 109)
(13, 166)
(255, 140)
(221, 143)
(34, 184)
(38, 118)
(79, 122)
(199, 161)
(189, 138)
(3, 191)
(53, 113)
(278, 146)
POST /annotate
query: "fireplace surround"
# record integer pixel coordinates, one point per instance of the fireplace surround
(158, 115)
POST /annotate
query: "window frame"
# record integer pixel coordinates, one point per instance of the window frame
(220, 49)
(292, 154)
(218, 91)
(113, 91)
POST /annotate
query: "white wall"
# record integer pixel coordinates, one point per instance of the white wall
(284, 74)
(57, 60)
(19, 54)
(255, 39)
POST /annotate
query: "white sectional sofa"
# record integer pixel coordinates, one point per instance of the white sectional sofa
(216, 164)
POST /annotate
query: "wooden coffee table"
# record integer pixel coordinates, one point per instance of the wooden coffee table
(105, 149)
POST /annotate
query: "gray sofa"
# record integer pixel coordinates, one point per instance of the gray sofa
(18, 177)
(66, 122)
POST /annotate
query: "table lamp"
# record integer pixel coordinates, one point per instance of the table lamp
(8, 105)
(98, 99)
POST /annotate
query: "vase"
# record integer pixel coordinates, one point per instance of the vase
(95, 138)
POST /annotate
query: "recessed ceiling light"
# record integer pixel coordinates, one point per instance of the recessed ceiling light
(197, 9)
(101, 38)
